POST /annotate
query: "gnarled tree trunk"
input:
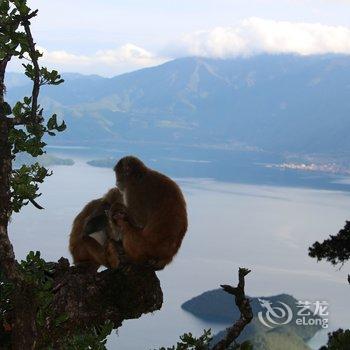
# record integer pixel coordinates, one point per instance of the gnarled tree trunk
(7, 258)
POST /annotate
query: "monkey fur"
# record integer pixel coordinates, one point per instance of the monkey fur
(146, 210)
(153, 221)
(90, 238)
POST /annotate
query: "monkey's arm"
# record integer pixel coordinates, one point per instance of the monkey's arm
(98, 219)
(95, 224)
(133, 241)
(119, 212)
(140, 250)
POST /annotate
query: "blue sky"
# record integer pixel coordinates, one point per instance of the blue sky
(110, 37)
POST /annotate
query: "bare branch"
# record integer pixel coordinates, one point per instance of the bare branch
(36, 205)
(243, 304)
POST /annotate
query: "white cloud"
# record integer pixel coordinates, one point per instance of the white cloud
(256, 35)
(104, 62)
(250, 36)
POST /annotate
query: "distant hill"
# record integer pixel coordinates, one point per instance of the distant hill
(218, 307)
(276, 103)
(45, 160)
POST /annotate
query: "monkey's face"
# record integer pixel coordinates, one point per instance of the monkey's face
(128, 169)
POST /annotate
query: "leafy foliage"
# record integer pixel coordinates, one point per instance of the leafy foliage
(25, 184)
(335, 249)
(26, 129)
(189, 342)
(38, 275)
(338, 340)
(94, 338)
(29, 125)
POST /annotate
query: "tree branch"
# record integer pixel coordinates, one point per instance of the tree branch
(36, 205)
(243, 304)
(7, 257)
(91, 299)
(3, 65)
(114, 295)
(33, 56)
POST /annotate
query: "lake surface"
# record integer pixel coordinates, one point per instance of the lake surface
(265, 228)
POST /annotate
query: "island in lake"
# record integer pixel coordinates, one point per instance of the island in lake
(103, 163)
(217, 306)
(45, 160)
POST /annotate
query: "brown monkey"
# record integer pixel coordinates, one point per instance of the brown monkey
(154, 220)
(89, 241)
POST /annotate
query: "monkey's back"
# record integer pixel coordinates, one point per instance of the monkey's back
(165, 214)
(96, 206)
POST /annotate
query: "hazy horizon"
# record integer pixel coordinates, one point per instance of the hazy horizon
(110, 38)
(261, 54)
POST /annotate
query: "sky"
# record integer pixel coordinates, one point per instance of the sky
(111, 37)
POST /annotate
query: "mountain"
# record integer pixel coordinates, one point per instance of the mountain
(275, 103)
(217, 306)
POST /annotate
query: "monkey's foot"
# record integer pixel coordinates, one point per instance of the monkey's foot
(112, 254)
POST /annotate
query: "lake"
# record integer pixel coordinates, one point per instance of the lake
(265, 228)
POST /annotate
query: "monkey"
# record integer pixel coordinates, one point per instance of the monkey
(90, 238)
(152, 218)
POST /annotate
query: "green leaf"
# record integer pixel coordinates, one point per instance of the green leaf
(61, 319)
(17, 109)
(52, 122)
(61, 127)
(27, 100)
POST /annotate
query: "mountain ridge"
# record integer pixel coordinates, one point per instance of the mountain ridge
(277, 103)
